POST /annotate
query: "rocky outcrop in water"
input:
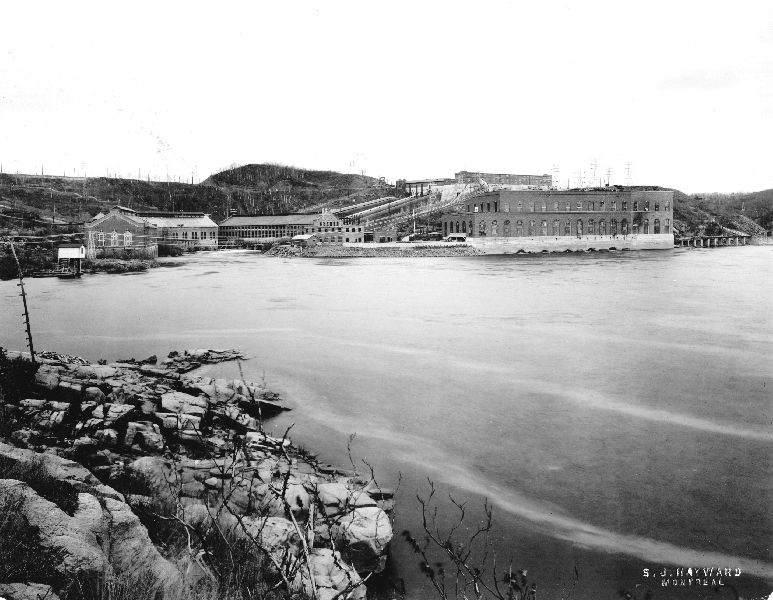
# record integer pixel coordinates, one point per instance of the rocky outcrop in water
(197, 444)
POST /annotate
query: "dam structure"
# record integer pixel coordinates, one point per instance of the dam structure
(511, 221)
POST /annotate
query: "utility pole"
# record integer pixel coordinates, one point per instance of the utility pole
(24, 302)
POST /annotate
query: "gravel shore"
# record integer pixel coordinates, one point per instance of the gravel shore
(335, 251)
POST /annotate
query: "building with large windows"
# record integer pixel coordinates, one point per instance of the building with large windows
(120, 233)
(507, 221)
(505, 179)
(186, 229)
(326, 227)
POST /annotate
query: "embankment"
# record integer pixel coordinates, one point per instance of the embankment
(375, 251)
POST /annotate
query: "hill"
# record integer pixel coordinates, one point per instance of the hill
(76, 198)
(250, 189)
(750, 213)
(272, 188)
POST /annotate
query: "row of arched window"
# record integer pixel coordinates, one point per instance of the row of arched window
(556, 228)
(114, 238)
(566, 205)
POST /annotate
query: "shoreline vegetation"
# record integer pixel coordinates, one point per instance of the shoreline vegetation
(34, 260)
(117, 265)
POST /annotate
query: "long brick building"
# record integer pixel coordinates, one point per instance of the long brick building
(325, 226)
(571, 219)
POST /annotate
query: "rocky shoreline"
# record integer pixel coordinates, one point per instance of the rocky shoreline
(129, 435)
(374, 251)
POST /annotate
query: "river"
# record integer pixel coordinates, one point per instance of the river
(615, 409)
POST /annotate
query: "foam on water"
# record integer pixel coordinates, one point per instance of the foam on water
(546, 517)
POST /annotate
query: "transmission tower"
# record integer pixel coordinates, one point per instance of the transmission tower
(628, 179)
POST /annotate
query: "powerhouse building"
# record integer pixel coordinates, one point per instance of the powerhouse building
(504, 179)
(535, 220)
(325, 226)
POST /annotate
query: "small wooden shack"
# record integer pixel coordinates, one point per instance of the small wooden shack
(70, 259)
(306, 240)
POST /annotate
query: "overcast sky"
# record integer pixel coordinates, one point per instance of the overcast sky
(681, 90)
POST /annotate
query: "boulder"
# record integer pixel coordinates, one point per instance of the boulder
(146, 434)
(233, 416)
(27, 591)
(365, 533)
(32, 403)
(93, 394)
(257, 441)
(276, 535)
(156, 372)
(155, 471)
(337, 498)
(179, 421)
(180, 402)
(95, 371)
(100, 538)
(47, 377)
(48, 419)
(332, 577)
(131, 551)
(295, 497)
(75, 548)
(68, 390)
(112, 413)
(107, 437)
(22, 437)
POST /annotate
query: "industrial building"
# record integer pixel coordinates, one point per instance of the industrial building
(535, 220)
(186, 229)
(464, 179)
(120, 233)
(326, 226)
(505, 179)
(123, 231)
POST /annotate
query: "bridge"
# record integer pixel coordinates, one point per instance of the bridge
(712, 241)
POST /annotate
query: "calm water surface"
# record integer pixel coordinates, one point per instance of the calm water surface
(614, 408)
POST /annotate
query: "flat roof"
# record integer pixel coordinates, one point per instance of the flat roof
(293, 219)
(443, 179)
(177, 221)
(160, 213)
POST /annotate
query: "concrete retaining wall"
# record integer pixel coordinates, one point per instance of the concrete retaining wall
(511, 245)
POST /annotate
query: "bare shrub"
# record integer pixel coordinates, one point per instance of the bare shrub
(459, 560)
